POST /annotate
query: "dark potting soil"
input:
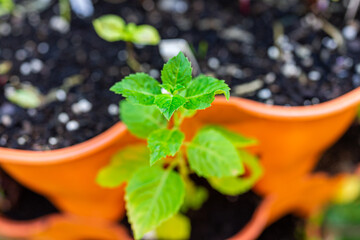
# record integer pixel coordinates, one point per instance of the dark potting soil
(19, 203)
(344, 155)
(302, 66)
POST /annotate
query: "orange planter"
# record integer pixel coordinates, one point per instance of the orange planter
(291, 141)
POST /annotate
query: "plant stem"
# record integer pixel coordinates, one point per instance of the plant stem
(131, 60)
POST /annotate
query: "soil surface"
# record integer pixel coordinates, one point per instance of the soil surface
(270, 52)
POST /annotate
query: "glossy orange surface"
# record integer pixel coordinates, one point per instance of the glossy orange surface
(291, 139)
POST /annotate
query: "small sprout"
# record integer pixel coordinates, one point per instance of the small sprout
(113, 28)
(25, 97)
(155, 192)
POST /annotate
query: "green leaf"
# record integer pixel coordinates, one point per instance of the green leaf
(110, 27)
(202, 90)
(164, 142)
(168, 104)
(239, 184)
(195, 196)
(237, 139)
(138, 88)
(152, 196)
(6, 7)
(211, 154)
(123, 165)
(176, 73)
(177, 227)
(145, 35)
(187, 113)
(141, 120)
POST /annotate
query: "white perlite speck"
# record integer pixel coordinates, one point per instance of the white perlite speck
(214, 63)
(264, 93)
(113, 109)
(53, 141)
(273, 52)
(72, 126)
(21, 140)
(36, 65)
(6, 120)
(25, 68)
(314, 75)
(63, 117)
(61, 95)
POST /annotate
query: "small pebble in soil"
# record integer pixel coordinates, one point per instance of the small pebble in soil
(21, 54)
(303, 52)
(154, 73)
(273, 52)
(72, 126)
(122, 55)
(357, 68)
(63, 117)
(32, 112)
(59, 24)
(350, 32)
(22, 140)
(53, 141)
(270, 78)
(315, 101)
(25, 68)
(356, 80)
(5, 29)
(329, 43)
(43, 48)
(264, 93)
(314, 75)
(290, 70)
(83, 106)
(6, 120)
(36, 65)
(60, 95)
(113, 109)
(214, 63)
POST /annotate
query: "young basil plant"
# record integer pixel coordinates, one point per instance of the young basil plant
(113, 28)
(158, 177)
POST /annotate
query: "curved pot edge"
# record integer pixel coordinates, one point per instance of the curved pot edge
(332, 107)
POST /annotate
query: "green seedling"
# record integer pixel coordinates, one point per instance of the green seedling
(158, 176)
(113, 28)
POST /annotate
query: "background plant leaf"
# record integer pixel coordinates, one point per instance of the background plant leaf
(123, 165)
(176, 73)
(141, 120)
(168, 104)
(164, 142)
(145, 35)
(211, 154)
(153, 195)
(239, 184)
(110, 27)
(138, 88)
(237, 139)
(195, 196)
(202, 90)
(176, 228)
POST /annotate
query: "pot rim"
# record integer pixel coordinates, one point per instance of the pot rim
(118, 131)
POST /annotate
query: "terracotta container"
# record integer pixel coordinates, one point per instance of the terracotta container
(291, 141)
(61, 227)
(67, 176)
